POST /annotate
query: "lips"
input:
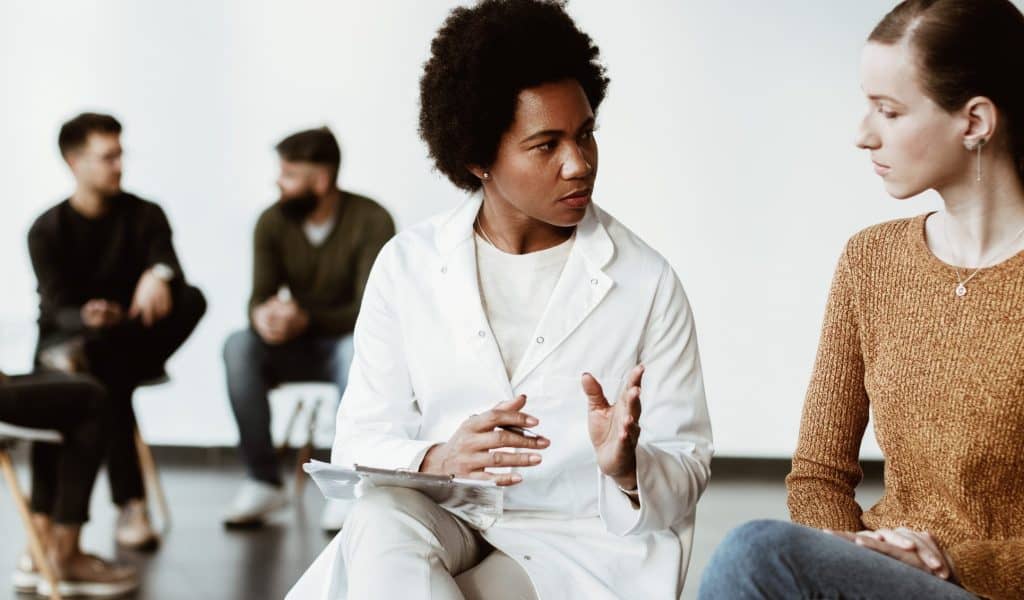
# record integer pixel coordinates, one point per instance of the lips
(578, 198)
(881, 169)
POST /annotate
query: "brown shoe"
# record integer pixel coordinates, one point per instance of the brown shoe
(85, 575)
(134, 530)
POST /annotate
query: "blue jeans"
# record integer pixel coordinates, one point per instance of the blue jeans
(254, 367)
(775, 559)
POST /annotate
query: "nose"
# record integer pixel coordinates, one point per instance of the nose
(867, 139)
(578, 163)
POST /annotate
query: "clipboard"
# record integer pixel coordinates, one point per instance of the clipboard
(478, 502)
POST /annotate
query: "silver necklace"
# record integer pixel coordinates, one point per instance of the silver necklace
(480, 229)
(961, 288)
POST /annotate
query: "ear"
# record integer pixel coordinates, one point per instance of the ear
(479, 172)
(982, 119)
(322, 181)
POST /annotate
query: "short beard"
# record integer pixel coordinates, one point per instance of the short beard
(299, 207)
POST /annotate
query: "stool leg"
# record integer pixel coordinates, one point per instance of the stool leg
(34, 544)
(306, 452)
(152, 480)
(288, 428)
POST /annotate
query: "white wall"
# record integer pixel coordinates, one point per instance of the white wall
(726, 140)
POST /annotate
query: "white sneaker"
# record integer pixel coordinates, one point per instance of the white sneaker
(254, 502)
(334, 515)
(25, 577)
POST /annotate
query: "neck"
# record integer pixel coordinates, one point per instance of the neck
(89, 203)
(513, 232)
(983, 218)
(326, 206)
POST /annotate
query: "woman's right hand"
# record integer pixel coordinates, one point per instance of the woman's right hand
(473, 446)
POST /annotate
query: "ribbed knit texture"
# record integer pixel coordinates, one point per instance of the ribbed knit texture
(943, 377)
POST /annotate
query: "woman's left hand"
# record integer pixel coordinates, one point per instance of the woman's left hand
(615, 428)
(915, 548)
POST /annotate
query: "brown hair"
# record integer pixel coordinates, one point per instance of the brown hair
(966, 48)
(317, 146)
(75, 132)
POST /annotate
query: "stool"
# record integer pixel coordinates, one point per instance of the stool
(311, 394)
(9, 436)
(150, 474)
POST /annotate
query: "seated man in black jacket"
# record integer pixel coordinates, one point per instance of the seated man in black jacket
(113, 298)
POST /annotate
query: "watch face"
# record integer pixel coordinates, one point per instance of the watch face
(163, 272)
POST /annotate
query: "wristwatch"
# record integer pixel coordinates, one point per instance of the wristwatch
(162, 272)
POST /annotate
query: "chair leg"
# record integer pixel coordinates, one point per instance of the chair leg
(151, 476)
(306, 452)
(35, 545)
(292, 419)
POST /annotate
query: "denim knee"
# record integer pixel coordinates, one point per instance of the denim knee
(745, 553)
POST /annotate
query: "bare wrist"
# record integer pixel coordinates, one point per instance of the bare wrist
(433, 460)
(627, 483)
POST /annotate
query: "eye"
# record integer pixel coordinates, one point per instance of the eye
(545, 147)
(888, 114)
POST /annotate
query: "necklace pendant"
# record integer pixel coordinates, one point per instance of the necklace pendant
(961, 290)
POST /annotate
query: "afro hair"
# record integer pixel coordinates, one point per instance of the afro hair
(481, 59)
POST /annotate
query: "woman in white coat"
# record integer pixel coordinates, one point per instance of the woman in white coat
(526, 306)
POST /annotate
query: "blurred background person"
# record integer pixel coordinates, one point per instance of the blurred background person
(113, 298)
(313, 250)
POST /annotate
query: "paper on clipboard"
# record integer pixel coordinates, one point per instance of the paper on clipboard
(479, 503)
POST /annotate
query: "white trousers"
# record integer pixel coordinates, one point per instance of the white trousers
(398, 543)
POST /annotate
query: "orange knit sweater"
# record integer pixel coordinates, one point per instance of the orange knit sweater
(943, 377)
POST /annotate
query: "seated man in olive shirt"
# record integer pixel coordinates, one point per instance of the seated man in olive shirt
(313, 253)
(114, 302)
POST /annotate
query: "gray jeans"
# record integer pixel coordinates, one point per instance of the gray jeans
(254, 367)
(775, 559)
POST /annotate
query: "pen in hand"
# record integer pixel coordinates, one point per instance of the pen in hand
(520, 430)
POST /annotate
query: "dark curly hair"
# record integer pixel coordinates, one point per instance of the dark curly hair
(480, 60)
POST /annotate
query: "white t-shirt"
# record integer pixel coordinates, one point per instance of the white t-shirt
(515, 289)
(316, 233)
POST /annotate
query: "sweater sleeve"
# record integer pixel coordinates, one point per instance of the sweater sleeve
(825, 468)
(57, 300)
(267, 270)
(159, 245)
(340, 320)
(990, 568)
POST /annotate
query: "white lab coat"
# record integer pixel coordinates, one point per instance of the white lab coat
(425, 360)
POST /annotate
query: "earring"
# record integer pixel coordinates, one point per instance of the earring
(487, 175)
(978, 147)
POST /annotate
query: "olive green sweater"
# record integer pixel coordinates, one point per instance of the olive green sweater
(943, 378)
(327, 280)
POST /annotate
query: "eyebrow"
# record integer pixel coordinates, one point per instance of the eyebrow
(554, 132)
(883, 97)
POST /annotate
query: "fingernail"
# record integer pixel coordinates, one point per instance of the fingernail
(543, 442)
(531, 421)
(517, 478)
(534, 458)
(585, 373)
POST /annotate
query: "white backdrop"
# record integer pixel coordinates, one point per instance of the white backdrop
(726, 141)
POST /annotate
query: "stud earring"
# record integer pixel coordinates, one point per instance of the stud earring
(487, 175)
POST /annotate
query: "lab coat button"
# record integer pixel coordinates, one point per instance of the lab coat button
(540, 340)
(444, 269)
(594, 282)
(482, 333)
(527, 557)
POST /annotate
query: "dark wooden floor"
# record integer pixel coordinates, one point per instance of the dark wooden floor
(199, 559)
(202, 561)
